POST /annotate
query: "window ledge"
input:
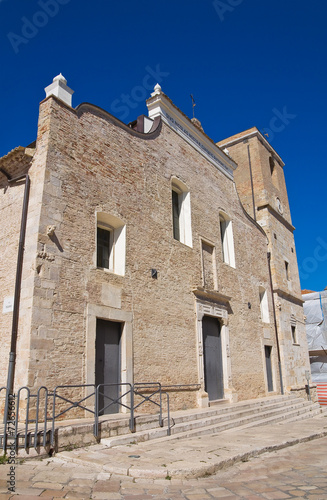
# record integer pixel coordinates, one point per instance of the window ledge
(105, 270)
(229, 265)
(182, 243)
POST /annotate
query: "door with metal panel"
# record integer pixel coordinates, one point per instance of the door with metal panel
(269, 368)
(213, 362)
(107, 363)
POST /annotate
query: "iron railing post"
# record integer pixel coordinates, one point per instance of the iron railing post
(160, 411)
(96, 413)
(131, 420)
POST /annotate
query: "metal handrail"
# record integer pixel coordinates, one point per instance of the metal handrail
(148, 398)
(168, 415)
(113, 401)
(146, 390)
(26, 416)
(74, 405)
(45, 416)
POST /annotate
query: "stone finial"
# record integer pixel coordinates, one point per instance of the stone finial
(197, 123)
(59, 89)
(60, 78)
(157, 90)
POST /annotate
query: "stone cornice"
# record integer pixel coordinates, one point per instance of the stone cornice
(278, 216)
(288, 296)
(248, 134)
(212, 295)
(17, 160)
(160, 105)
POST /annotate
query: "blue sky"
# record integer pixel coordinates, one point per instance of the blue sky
(243, 60)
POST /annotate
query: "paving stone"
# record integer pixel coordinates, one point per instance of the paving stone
(253, 497)
(197, 496)
(52, 493)
(138, 497)
(218, 492)
(239, 490)
(276, 495)
(74, 495)
(103, 476)
(29, 491)
(26, 497)
(80, 482)
(112, 486)
(316, 497)
(52, 486)
(106, 496)
(297, 493)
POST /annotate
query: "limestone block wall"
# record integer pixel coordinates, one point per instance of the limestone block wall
(93, 164)
(11, 199)
(87, 162)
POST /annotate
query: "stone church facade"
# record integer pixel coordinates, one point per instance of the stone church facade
(146, 257)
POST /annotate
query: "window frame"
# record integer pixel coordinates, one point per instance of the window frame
(109, 230)
(182, 231)
(264, 306)
(227, 239)
(117, 242)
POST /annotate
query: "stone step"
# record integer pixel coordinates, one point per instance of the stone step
(239, 424)
(236, 416)
(263, 418)
(253, 405)
(238, 411)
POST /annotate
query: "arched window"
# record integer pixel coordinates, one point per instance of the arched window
(227, 240)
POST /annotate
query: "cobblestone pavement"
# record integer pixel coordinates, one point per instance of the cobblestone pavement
(299, 471)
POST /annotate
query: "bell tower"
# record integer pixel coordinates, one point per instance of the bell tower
(261, 186)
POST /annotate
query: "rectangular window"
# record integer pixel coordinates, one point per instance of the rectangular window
(103, 247)
(110, 243)
(264, 305)
(181, 212)
(287, 270)
(227, 241)
(176, 214)
(293, 330)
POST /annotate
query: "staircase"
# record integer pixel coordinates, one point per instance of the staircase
(186, 424)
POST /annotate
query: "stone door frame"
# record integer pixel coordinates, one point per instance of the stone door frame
(219, 311)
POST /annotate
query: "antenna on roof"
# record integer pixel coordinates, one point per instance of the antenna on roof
(193, 103)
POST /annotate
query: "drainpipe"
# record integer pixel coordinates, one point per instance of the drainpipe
(14, 329)
(252, 189)
(275, 323)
